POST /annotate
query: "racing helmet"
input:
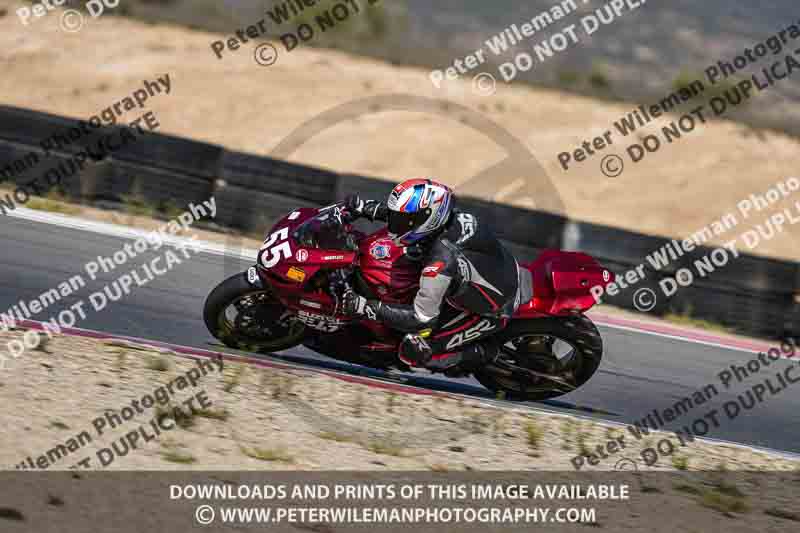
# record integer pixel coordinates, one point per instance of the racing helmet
(418, 208)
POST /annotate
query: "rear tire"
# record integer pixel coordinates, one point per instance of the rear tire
(577, 330)
(250, 319)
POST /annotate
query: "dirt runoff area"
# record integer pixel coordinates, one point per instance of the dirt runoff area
(235, 102)
(91, 395)
(80, 403)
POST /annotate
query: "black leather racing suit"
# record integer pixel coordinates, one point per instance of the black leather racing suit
(468, 290)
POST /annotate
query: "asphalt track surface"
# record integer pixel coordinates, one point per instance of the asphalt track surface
(640, 371)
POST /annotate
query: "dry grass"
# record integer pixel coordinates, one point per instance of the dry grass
(686, 319)
(54, 202)
(278, 384)
(336, 437)
(233, 379)
(499, 424)
(158, 363)
(278, 454)
(385, 447)
(358, 406)
(680, 462)
(713, 499)
(689, 489)
(178, 456)
(391, 400)
(121, 357)
(567, 431)
(478, 423)
(136, 204)
(213, 414)
(581, 439)
(534, 433)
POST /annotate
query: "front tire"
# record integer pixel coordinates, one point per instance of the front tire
(568, 347)
(250, 319)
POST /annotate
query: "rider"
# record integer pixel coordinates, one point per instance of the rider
(469, 283)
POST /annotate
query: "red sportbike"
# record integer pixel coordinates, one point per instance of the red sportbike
(311, 256)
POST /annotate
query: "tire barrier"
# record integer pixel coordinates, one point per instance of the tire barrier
(792, 318)
(752, 294)
(754, 313)
(523, 253)
(175, 154)
(18, 162)
(536, 229)
(156, 186)
(253, 211)
(627, 298)
(615, 244)
(278, 177)
(366, 187)
(39, 130)
(30, 127)
(746, 272)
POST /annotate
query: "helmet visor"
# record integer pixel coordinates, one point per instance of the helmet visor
(401, 223)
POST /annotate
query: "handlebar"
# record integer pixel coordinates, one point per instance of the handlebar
(332, 222)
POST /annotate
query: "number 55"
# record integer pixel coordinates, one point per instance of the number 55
(271, 255)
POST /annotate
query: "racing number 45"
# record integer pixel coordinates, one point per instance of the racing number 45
(272, 253)
(472, 333)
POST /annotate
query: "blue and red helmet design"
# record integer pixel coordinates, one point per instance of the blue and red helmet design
(418, 208)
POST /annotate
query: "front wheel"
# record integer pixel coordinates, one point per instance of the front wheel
(250, 319)
(543, 358)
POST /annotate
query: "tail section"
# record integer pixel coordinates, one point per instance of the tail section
(563, 283)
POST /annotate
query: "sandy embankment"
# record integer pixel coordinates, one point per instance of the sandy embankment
(268, 418)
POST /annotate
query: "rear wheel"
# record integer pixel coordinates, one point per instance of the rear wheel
(543, 358)
(250, 319)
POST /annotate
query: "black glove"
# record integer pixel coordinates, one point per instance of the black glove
(369, 209)
(355, 205)
(356, 305)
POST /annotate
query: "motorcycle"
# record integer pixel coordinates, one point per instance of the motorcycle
(292, 297)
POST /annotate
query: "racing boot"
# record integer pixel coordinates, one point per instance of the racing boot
(415, 351)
